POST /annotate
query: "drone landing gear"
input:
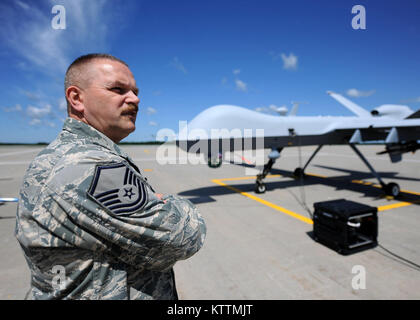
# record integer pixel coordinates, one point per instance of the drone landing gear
(300, 172)
(259, 184)
(390, 189)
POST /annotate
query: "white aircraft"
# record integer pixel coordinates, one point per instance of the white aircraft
(227, 128)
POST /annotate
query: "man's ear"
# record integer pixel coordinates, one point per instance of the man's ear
(75, 98)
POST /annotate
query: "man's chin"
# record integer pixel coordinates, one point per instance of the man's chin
(129, 129)
(123, 131)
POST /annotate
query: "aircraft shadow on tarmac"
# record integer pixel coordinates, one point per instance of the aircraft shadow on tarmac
(359, 175)
(344, 182)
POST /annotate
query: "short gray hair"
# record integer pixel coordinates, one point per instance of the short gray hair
(74, 71)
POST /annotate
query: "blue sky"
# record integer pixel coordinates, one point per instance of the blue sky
(187, 56)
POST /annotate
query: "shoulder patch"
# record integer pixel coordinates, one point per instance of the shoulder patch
(118, 188)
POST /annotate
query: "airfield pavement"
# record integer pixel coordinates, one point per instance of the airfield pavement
(259, 246)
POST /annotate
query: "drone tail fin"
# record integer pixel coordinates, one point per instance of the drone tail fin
(356, 109)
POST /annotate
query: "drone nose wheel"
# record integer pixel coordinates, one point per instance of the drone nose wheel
(260, 188)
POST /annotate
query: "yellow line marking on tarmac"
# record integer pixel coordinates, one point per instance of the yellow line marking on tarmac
(146, 151)
(366, 183)
(316, 175)
(412, 192)
(147, 170)
(265, 202)
(393, 206)
(249, 177)
(296, 215)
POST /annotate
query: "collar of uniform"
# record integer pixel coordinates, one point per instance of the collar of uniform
(87, 132)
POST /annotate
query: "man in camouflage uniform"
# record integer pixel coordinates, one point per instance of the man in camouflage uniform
(89, 224)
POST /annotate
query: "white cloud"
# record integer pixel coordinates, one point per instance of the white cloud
(16, 108)
(150, 110)
(354, 93)
(34, 122)
(289, 62)
(240, 85)
(273, 109)
(178, 65)
(43, 115)
(31, 95)
(280, 110)
(413, 100)
(26, 32)
(23, 5)
(38, 113)
(29, 34)
(152, 123)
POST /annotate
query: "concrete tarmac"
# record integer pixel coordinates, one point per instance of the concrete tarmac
(260, 246)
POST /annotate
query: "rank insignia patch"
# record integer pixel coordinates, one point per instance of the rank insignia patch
(118, 188)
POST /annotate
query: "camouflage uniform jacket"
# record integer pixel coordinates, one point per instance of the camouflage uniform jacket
(91, 226)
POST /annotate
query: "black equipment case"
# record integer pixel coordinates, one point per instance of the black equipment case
(345, 226)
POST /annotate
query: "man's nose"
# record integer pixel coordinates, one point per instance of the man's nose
(133, 98)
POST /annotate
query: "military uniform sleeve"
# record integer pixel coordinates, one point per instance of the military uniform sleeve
(111, 208)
